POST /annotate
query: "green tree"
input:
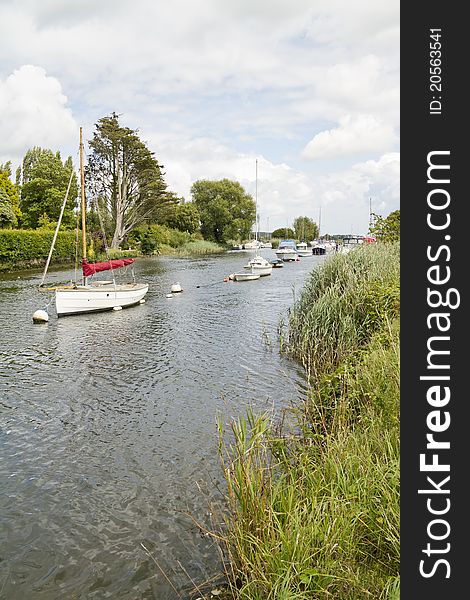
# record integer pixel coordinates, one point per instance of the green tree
(124, 174)
(305, 229)
(283, 233)
(11, 191)
(7, 215)
(44, 179)
(226, 211)
(184, 217)
(386, 229)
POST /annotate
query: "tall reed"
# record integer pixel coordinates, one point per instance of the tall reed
(314, 505)
(342, 304)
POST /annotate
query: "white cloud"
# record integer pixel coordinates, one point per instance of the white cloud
(211, 86)
(284, 192)
(33, 112)
(355, 135)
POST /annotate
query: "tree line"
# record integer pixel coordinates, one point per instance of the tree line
(125, 190)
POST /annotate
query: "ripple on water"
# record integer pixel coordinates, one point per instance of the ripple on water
(107, 425)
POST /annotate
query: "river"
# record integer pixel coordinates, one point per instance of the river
(108, 440)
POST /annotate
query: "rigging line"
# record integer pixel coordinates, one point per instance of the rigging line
(208, 284)
(57, 229)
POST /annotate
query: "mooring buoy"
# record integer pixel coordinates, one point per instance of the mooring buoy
(176, 288)
(40, 316)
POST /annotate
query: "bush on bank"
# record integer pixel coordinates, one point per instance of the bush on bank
(314, 505)
(24, 246)
(29, 248)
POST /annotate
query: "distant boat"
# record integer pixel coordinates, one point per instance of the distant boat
(303, 249)
(287, 250)
(259, 265)
(244, 276)
(100, 295)
(318, 247)
(251, 245)
(350, 242)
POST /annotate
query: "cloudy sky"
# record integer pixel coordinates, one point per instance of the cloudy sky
(308, 88)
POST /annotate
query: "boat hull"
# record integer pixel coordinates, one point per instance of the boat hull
(245, 276)
(287, 255)
(88, 299)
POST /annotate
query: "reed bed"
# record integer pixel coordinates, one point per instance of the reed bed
(199, 247)
(342, 304)
(314, 502)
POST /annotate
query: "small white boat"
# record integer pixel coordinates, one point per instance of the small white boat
(259, 265)
(303, 249)
(244, 276)
(287, 250)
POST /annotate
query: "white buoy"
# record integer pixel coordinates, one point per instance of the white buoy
(117, 307)
(169, 295)
(40, 316)
(176, 287)
(142, 301)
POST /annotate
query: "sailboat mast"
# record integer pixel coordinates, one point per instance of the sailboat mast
(256, 201)
(82, 193)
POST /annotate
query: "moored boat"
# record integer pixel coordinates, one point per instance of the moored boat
(100, 295)
(303, 249)
(318, 247)
(244, 276)
(287, 250)
(259, 265)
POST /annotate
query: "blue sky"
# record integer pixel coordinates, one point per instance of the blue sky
(309, 88)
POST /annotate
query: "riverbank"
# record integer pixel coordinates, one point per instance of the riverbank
(314, 499)
(22, 250)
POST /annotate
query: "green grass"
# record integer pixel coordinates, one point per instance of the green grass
(192, 248)
(314, 504)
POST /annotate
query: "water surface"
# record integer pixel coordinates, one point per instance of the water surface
(108, 425)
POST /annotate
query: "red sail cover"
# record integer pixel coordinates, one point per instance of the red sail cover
(90, 269)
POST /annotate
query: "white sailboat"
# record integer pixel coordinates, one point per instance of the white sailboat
(258, 264)
(99, 295)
